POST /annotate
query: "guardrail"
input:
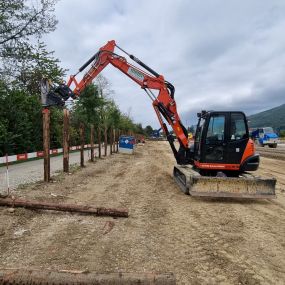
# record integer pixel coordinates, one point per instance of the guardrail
(37, 154)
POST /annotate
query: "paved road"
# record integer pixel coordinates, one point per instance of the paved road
(32, 171)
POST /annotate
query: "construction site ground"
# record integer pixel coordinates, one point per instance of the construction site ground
(202, 241)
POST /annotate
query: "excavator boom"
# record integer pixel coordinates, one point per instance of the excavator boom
(164, 103)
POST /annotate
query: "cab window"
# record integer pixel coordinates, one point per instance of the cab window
(216, 129)
(238, 127)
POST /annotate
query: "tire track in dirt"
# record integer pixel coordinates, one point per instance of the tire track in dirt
(278, 154)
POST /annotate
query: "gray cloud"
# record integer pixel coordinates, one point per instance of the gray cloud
(218, 54)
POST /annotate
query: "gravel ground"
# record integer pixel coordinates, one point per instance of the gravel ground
(202, 241)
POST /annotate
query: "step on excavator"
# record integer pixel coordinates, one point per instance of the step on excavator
(222, 158)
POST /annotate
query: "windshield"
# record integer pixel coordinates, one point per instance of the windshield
(268, 130)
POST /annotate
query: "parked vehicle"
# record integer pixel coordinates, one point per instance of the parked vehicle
(265, 136)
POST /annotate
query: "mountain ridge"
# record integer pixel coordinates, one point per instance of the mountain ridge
(274, 117)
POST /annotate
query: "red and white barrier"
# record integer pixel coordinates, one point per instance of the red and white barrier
(27, 156)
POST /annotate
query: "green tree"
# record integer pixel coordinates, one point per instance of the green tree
(126, 123)
(20, 117)
(87, 108)
(148, 130)
(138, 129)
(41, 64)
(21, 22)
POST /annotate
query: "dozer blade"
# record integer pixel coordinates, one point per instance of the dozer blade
(245, 186)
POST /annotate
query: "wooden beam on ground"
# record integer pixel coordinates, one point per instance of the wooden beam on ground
(76, 277)
(65, 140)
(82, 142)
(86, 209)
(92, 142)
(46, 143)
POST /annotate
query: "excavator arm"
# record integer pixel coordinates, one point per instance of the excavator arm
(163, 104)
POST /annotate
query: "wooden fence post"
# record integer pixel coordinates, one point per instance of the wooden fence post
(65, 140)
(81, 130)
(111, 140)
(99, 141)
(118, 137)
(114, 140)
(46, 143)
(105, 140)
(92, 142)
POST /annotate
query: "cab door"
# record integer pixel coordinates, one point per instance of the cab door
(238, 137)
(214, 149)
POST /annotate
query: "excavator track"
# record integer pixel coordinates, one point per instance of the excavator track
(245, 186)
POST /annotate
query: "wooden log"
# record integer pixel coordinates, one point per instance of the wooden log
(76, 277)
(92, 142)
(87, 209)
(105, 140)
(46, 143)
(65, 140)
(81, 131)
(99, 142)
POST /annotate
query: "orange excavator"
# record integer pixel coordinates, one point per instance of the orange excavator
(218, 161)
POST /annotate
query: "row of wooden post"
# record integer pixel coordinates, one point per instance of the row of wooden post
(114, 137)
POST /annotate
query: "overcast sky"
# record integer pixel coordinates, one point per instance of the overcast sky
(219, 55)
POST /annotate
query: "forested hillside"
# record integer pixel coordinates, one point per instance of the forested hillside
(271, 118)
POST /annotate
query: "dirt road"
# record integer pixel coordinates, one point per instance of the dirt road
(203, 241)
(276, 153)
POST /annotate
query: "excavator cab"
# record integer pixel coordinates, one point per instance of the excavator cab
(222, 143)
(221, 156)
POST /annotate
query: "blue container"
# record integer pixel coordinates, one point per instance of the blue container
(126, 144)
